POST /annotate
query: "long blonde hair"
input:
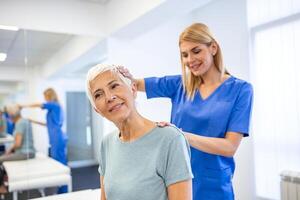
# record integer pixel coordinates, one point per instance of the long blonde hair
(50, 92)
(198, 33)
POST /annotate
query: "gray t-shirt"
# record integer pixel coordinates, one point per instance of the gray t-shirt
(23, 126)
(144, 168)
(3, 125)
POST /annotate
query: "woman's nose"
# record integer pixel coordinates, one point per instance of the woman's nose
(110, 97)
(190, 58)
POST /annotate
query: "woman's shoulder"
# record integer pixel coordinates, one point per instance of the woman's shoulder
(22, 121)
(175, 78)
(170, 132)
(54, 103)
(108, 137)
(170, 79)
(239, 84)
(239, 81)
(51, 105)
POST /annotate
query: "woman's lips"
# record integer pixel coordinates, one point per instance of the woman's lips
(115, 107)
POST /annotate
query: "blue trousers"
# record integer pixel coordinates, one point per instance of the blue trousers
(59, 153)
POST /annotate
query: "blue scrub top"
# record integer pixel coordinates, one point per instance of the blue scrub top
(10, 126)
(58, 139)
(228, 108)
(55, 120)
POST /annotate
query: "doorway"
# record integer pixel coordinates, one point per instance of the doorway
(80, 143)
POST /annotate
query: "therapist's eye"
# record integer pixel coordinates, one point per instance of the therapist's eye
(196, 51)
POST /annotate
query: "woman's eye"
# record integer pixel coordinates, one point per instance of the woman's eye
(196, 51)
(114, 86)
(98, 95)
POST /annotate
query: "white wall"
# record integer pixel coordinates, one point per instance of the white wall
(66, 58)
(156, 53)
(73, 16)
(68, 16)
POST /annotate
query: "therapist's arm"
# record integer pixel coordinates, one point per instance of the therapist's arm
(37, 122)
(33, 105)
(180, 191)
(103, 196)
(140, 84)
(220, 146)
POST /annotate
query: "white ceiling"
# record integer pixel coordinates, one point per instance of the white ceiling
(97, 1)
(45, 43)
(98, 18)
(40, 47)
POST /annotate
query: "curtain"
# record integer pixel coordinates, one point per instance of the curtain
(264, 11)
(276, 112)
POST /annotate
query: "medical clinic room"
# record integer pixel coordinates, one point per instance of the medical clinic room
(149, 100)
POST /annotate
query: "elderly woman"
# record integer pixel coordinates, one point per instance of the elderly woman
(141, 160)
(2, 124)
(22, 148)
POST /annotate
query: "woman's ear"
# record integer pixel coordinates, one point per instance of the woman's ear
(213, 48)
(134, 89)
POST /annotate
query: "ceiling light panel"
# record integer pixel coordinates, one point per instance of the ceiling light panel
(10, 28)
(2, 57)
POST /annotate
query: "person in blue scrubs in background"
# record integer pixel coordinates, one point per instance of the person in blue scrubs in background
(54, 123)
(2, 130)
(6, 126)
(10, 126)
(211, 106)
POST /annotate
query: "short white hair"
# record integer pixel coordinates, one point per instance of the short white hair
(96, 71)
(13, 109)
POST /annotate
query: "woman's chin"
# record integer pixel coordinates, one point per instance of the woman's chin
(197, 73)
(120, 119)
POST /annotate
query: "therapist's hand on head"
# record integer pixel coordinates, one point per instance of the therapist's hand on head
(125, 72)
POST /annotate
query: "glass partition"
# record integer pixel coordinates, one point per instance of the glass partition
(36, 61)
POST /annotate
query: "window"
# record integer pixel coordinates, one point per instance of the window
(276, 115)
